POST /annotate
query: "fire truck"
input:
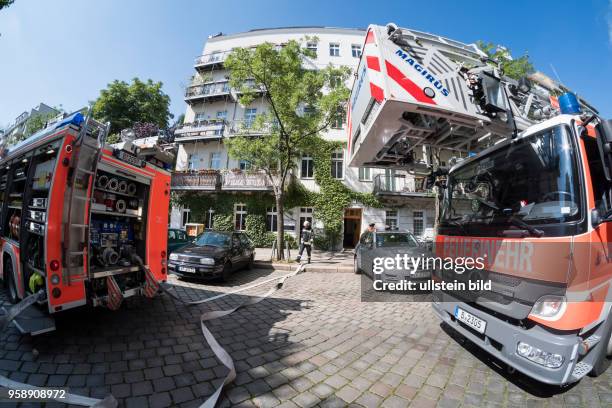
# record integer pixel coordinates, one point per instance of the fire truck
(527, 189)
(79, 219)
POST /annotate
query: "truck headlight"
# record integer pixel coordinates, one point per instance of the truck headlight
(549, 307)
(173, 257)
(539, 356)
(207, 261)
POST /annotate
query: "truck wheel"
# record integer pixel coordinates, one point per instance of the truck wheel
(227, 272)
(604, 352)
(10, 281)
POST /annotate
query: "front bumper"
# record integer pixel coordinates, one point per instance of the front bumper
(200, 271)
(500, 339)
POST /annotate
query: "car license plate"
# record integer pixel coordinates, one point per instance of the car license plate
(469, 319)
(186, 269)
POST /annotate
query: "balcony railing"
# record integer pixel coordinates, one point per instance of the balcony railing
(400, 185)
(207, 90)
(195, 181)
(212, 58)
(245, 127)
(203, 129)
(245, 180)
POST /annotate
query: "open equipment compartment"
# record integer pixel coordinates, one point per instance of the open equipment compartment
(119, 204)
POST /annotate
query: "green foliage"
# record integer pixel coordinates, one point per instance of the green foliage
(113, 138)
(514, 68)
(124, 104)
(303, 103)
(256, 230)
(5, 3)
(223, 222)
(37, 122)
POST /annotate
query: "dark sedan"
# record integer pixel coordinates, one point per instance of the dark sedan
(213, 254)
(379, 245)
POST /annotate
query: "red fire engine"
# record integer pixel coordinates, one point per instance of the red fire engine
(78, 219)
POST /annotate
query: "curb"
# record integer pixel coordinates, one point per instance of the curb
(309, 267)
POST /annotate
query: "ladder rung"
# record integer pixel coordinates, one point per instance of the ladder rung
(79, 226)
(76, 253)
(82, 198)
(84, 170)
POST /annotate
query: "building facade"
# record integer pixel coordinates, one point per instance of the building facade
(214, 114)
(20, 125)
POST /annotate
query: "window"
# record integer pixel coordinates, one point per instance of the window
(249, 116)
(200, 116)
(337, 164)
(307, 168)
(417, 223)
(356, 50)
(185, 217)
(365, 174)
(191, 162)
(312, 46)
(215, 160)
(391, 219)
(222, 115)
(210, 214)
(240, 213)
(338, 120)
(334, 49)
(271, 220)
(244, 165)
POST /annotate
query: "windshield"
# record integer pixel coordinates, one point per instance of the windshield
(213, 239)
(532, 181)
(395, 240)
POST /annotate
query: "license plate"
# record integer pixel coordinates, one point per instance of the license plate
(469, 319)
(186, 269)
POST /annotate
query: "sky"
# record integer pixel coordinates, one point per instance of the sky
(63, 52)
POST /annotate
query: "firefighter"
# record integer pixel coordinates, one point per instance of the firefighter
(306, 238)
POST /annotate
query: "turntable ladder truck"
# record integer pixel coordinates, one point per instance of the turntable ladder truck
(531, 194)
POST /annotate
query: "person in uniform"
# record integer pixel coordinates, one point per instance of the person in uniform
(306, 238)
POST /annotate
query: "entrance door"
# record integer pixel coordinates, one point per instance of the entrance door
(352, 227)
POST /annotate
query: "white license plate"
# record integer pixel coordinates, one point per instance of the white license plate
(186, 269)
(469, 319)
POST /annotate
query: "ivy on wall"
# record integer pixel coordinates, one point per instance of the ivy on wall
(329, 203)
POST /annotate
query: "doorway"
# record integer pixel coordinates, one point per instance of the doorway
(352, 227)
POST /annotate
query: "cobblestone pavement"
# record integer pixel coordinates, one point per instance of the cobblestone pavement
(313, 343)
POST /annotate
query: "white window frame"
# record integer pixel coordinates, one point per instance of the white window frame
(312, 46)
(185, 215)
(249, 116)
(310, 166)
(244, 165)
(356, 50)
(240, 213)
(199, 117)
(213, 157)
(334, 49)
(222, 114)
(273, 213)
(337, 161)
(191, 161)
(365, 174)
(391, 218)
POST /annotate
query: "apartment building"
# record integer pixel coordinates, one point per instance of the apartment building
(20, 125)
(214, 114)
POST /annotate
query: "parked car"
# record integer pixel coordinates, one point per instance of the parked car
(213, 254)
(177, 238)
(387, 244)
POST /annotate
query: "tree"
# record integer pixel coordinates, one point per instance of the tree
(513, 68)
(302, 104)
(5, 3)
(124, 104)
(37, 122)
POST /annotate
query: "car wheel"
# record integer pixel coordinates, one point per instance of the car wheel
(355, 267)
(227, 272)
(604, 357)
(11, 284)
(250, 263)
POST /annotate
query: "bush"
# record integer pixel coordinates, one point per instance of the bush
(223, 222)
(256, 230)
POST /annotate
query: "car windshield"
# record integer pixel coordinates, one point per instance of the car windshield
(211, 238)
(396, 239)
(534, 180)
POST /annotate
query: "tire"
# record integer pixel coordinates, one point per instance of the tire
(250, 263)
(604, 351)
(355, 268)
(11, 284)
(226, 275)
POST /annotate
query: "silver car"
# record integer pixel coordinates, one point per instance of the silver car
(389, 244)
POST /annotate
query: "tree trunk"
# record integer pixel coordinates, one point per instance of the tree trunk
(280, 222)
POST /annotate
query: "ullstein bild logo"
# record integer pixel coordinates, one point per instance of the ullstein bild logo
(423, 71)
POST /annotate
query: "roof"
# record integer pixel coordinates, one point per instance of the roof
(289, 29)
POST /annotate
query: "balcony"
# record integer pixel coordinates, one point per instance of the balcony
(244, 127)
(232, 180)
(205, 180)
(210, 91)
(200, 130)
(212, 60)
(400, 185)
